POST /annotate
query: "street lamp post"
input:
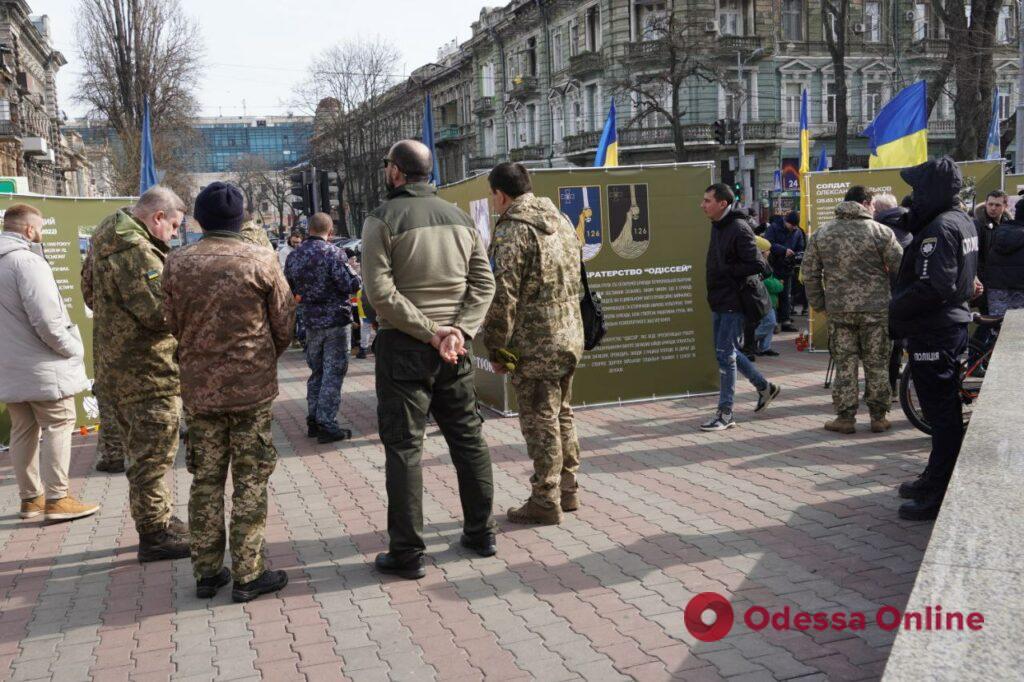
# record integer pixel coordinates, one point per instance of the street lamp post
(741, 146)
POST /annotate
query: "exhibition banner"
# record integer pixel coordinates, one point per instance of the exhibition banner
(827, 189)
(1013, 183)
(644, 241)
(68, 223)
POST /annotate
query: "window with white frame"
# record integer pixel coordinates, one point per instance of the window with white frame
(531, 56)
(593, 106)
(873, 21)
(531, 124)
(5, 110)
(1007, 101)
(874, 93)
(730, 17)
(793, 20)
(487, 143)
(653, 95)
(792, 93)
(574, 37)
(557, 120)
(829, 21)
(829, 114)
(741, 93)
(576, 120)
(1006, 28)
(926, 25)
(487, 79)
(651, 19)
(557, 56)
(592, 23)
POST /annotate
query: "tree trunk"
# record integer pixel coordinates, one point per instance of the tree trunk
(836, 41)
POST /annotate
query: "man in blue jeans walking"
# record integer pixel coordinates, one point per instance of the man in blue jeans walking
(732, 257)
(319, 274)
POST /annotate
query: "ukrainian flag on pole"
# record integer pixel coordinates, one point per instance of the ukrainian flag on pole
(899, 134)
(608, 148)
(805, 160)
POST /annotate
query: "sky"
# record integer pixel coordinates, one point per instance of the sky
(256, 51)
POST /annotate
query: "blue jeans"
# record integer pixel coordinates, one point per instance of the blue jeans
(727, 329)
(765, 331)
(327, 356)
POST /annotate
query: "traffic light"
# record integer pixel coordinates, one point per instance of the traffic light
(720, 131)
(737, 189)
(298, 192)
(330, 192)
(734, 131)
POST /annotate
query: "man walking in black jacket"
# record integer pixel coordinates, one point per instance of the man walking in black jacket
(931, 309)
(732, 257)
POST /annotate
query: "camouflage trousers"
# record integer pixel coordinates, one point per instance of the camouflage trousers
(546, 420)
(860, 338)
(327, 353)
(150, 431)
(110, 446)
(241, 442)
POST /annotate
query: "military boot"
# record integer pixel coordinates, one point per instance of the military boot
(110, 466)
(162, 545)
(845, 425)
(880, 425)
(571, 500)
(531, 512)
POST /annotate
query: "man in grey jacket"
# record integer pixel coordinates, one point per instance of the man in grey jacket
(41, 370)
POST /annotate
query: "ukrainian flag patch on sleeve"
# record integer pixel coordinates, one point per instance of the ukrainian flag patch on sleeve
(153, 274)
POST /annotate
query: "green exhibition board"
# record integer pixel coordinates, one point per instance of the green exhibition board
(645, 243)
(827, 188)
(67, 225)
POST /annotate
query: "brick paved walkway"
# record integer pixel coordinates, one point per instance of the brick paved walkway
(776, 513)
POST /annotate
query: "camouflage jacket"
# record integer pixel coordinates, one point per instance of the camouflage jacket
(231, 310)
(134, 352)
(254, 234)
(848, 263)
(535, 313)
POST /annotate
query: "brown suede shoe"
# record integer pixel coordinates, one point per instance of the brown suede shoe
(880, 425)
(32, 508)
(68, 509)
(570, 500)
(531, 512)
(841, 425)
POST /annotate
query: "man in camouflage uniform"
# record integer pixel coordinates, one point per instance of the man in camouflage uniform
(254, 233)
(535, 316)
(847, 269)
(110, 444)
(231, 310)
(136, 370)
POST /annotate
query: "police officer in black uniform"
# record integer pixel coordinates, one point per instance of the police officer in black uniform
(930, 309)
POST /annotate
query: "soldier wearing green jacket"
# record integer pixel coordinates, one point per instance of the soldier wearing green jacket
(536, 316)
(846, 269)
(136, 370)
(425, 272)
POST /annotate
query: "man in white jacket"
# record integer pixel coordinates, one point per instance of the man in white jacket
(41, 370)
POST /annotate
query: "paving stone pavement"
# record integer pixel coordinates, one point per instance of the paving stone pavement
(776, 513)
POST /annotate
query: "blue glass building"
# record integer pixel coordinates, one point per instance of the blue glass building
(281, 141)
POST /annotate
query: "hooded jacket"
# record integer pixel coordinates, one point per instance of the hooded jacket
(848, 262)
(232, 312)
(42, 357)
(936, 279)
(1005, 269)
(134, 352)
(536, 308)
(896, 220)
(986, 228)
(732, 257)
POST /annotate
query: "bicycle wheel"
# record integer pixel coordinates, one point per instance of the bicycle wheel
(910, 404)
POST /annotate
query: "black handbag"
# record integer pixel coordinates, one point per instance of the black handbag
(592, 312)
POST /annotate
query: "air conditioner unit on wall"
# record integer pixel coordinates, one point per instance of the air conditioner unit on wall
(858, 28)
(711, 27)
(909, 16)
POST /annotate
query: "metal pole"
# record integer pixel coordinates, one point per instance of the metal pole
(1018, 161)
(741, 146)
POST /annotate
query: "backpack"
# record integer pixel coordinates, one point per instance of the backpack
(592, 312)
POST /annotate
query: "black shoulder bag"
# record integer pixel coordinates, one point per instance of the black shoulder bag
(593, 315)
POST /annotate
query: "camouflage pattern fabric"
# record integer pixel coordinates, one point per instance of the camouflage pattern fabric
(546, 420)
(136, 359)
(110, 445)
(150, 429)
(860, 338)
(327, 353)
(254, 234)
(318, 272)
(535, 313)
(848, 264)
(242, 442)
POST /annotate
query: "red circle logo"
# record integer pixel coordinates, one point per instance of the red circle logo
(718, 605)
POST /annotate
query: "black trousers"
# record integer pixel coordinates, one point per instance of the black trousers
(412, 380)
(935, 368)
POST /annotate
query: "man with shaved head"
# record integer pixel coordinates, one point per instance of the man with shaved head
(426, 273)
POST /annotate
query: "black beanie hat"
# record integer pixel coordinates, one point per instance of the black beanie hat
(220, 206)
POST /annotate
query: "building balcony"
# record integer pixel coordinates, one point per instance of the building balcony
(739, 43)
(484, 106)
(585, 64)
(8, 129)
(695, 134)
(449, 133)
(930, 46)
(35, 146)
(646, 51)
(523, 87)
(533, 152)
(482, 162)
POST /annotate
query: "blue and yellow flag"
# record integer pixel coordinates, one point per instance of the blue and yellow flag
(608, 148)
(993, 147)
(899, 134)
(805, 160)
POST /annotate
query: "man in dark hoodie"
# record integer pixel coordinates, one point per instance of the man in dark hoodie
(732, 257)
(1005, 265)
(931, 310)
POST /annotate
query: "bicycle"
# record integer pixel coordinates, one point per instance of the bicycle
(972, 374)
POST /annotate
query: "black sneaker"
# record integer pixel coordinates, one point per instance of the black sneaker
(768, 353)
(163, 545)
(922, 509)
(721, 422)
(269, 581)
(766, 396)
(312, 429)
(412, 570)
(206, 588)
(916, 489)
(485, 546)
(332, 434)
